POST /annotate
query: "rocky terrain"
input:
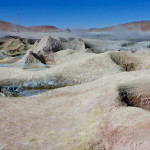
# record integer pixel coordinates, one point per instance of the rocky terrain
(74, 93)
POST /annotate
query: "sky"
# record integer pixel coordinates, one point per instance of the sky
(74, 14)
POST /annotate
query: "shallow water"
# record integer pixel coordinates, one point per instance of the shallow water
(13, 91)
(4, 65)
(33, 87)
(31, 92)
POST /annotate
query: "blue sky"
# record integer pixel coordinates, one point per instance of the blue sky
(74, 13)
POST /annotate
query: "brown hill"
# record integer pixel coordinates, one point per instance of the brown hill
(133, 26)
(44, 28)
(6, 26)
(10, 27)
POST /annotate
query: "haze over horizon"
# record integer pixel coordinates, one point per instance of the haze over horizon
(75, 13)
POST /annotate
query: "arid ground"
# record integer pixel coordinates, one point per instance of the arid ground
(74, 91)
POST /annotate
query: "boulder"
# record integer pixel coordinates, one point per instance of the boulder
(30, 41)
(30, 60)
(48, 44)
(14, 47)
(62, 39)
(45, 49)
(76, 44)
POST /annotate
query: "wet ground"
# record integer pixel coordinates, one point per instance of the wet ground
(4, 65)
(14, 91)
(31, 92)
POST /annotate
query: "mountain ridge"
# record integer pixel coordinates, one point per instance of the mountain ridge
(143, 26)
(11, 27)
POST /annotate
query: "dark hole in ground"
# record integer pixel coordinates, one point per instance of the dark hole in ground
(123, 96)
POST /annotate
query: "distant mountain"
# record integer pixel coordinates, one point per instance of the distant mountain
(10, 27)
(6, 26)
(132, 26)
(44, 28)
